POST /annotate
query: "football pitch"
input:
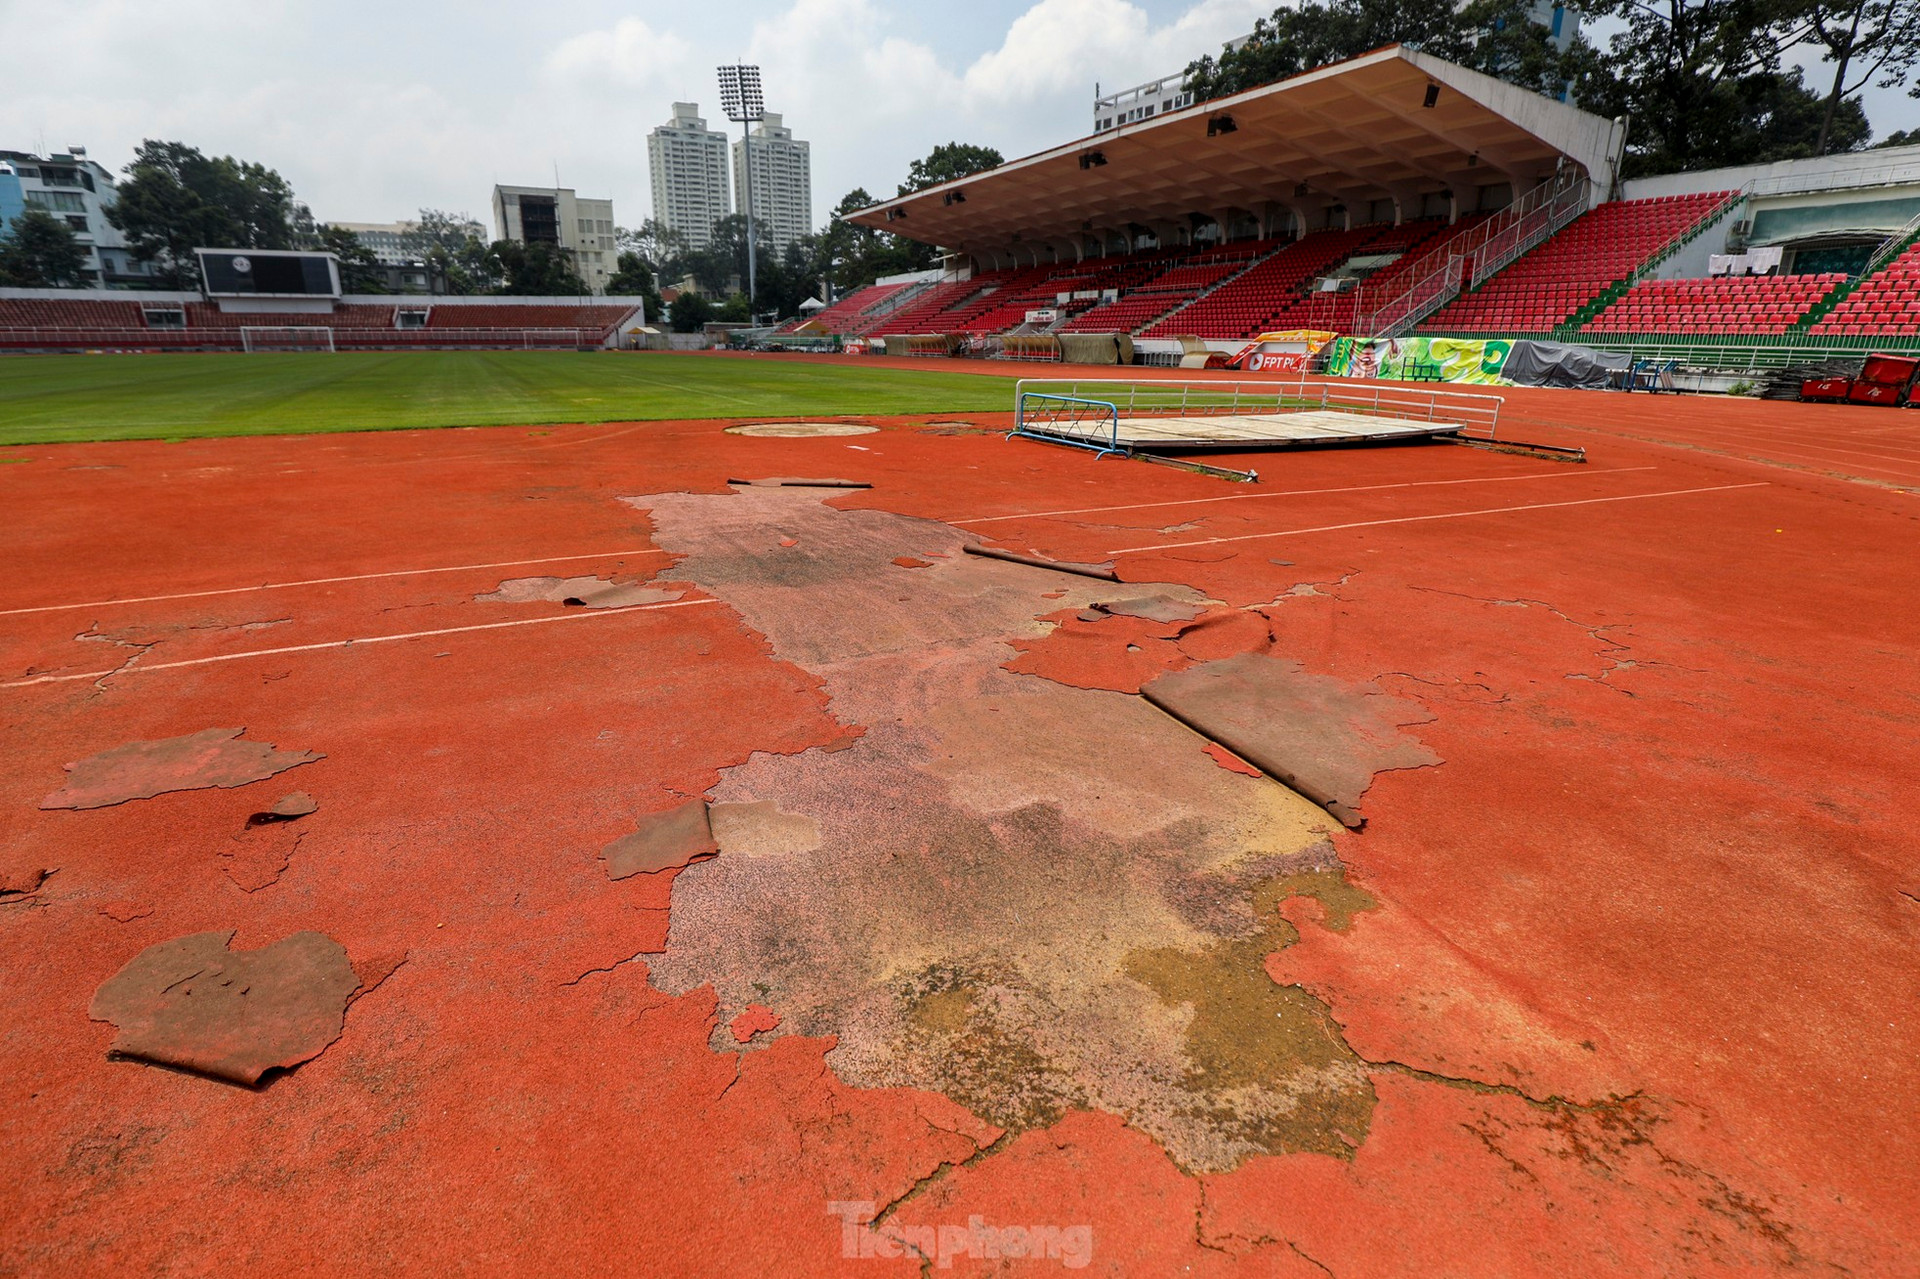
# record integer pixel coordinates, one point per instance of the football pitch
(68, 398)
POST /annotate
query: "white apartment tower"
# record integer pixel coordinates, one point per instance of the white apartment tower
(688, 165)
(782, 184)
(555, 215)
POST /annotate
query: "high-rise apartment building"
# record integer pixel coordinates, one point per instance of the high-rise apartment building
(555, 215)
(687, 163)
(781, 186)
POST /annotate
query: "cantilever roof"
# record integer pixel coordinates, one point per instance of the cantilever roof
(1346, 134)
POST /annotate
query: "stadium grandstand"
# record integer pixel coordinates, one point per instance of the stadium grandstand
(69, 319)
(281, 300)
(1397, 195)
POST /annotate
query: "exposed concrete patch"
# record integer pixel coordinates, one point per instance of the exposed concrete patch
(800, 430)
(1247, 1034)
(991, 852)
(762, 830)
(1153, 608)
(666, 840)
(290, 807)
(141, 770)
(194, 1004)
(581, 592)
(1324, 737)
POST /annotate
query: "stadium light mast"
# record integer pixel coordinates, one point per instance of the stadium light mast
(741, 101)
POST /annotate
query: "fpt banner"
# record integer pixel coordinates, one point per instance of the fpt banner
(1421, 359)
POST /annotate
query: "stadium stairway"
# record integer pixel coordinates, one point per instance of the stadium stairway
(1881, 303)
(1567, 279)
(1242, 305)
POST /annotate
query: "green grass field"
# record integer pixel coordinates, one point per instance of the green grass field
(70, 398)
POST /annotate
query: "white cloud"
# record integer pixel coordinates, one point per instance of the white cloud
(373, 109)
(632, 55)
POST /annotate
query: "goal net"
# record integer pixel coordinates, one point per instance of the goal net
(310, 337)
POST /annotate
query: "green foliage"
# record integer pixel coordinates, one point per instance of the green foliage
(532, 270)
(1865, 42)
(733, 309)
(175, 199)
(1704, 83)
(633, 278)
(688, 312)
(947, 163)
(40, 251)
(853, 257)
(1900, 138)
(1494, 36)
(359, 270)
(658, 245)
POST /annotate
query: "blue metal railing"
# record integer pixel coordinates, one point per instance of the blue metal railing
(1068, 419)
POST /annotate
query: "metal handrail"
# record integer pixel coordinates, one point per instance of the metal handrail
(1890, 247)
(1435, 276)
(1053, 427)
(1792, 184)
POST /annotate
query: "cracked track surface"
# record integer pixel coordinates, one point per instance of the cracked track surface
(1627, 982)
(1015, 843)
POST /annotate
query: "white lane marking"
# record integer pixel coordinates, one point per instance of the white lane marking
(1356, 488)
(367, 639)
(1445, 515)
(324, 581)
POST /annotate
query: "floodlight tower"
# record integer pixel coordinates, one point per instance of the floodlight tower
(741, 101)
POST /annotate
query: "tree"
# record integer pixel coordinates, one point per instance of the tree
(689, 312)
(658, 245)
(852, 257)
(1495, 36)
(948, 163)
(39, 251)
(438, 229)
(456, 255)
(534, 270)
(1702, 80)
(1866, 41)
(174, 200)
(1899, 138)
(633, 278)
(359, 269)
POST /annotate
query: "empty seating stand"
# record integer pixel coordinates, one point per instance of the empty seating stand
(1885, 304)
(1729, 305)
(51, 324)
(1157, 295)
(1566, 273)
(1247, 304)
(1343, 312)
(849, 314)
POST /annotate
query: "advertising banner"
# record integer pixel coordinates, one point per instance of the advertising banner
(1421, 359)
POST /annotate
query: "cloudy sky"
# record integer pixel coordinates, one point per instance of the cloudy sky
(373, 110)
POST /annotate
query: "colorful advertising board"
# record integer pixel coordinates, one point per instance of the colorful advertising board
(1420, 359)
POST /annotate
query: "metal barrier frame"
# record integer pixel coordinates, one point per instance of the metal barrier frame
(1047, 430)
(1478, 415)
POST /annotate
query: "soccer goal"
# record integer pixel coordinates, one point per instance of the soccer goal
(308, 337)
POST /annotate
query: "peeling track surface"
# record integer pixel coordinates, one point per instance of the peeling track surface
(1622, 988)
